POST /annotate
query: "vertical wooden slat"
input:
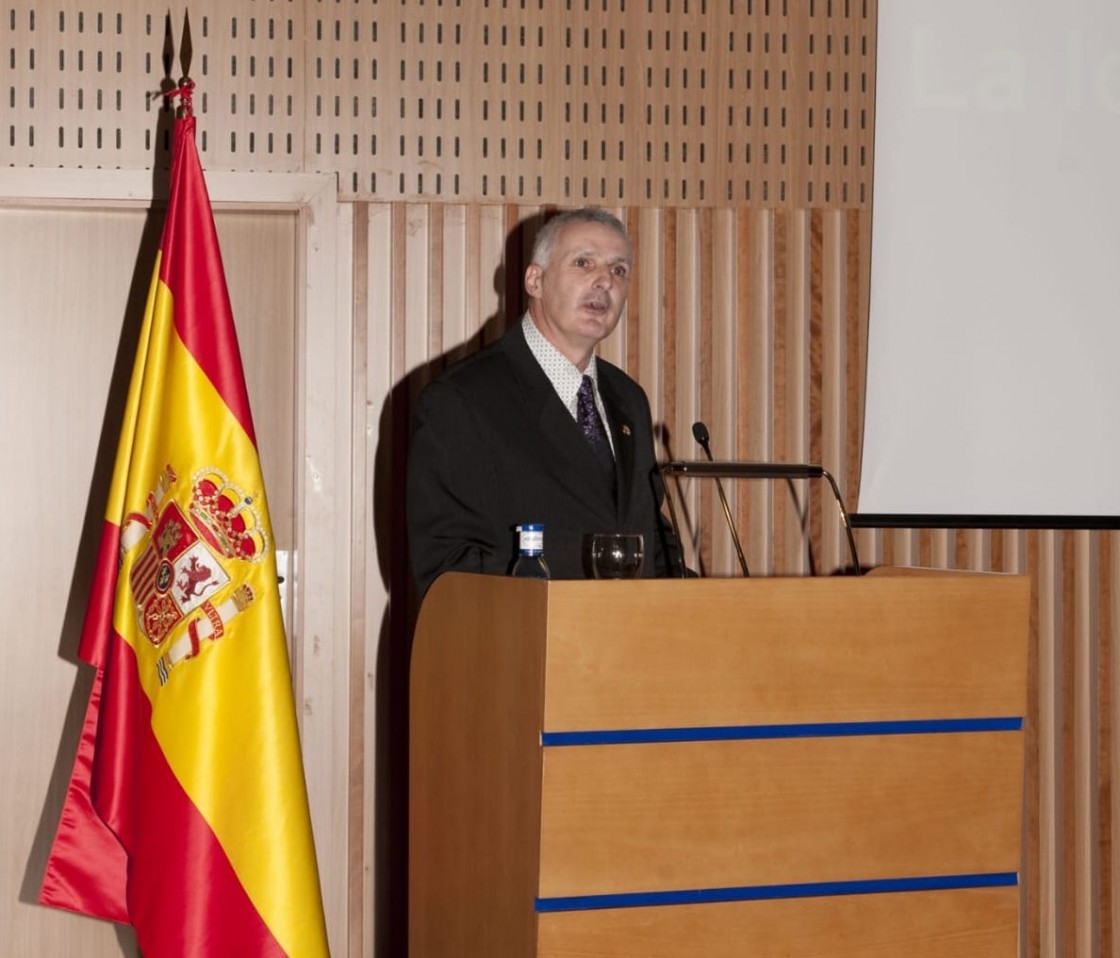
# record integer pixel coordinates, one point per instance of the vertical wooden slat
(668, 307)
(1110, 758)
(779, 404)
(436, 269)
(855, 350)
(720, 252)
(670, 324)
(472, 279)
(392, 387)
(392, 281)
(1033, 896)
(799, 383)
(632, 359)
(1053, 730)
(925, 548)
(360, 897)
(646, 227)
(814, 392)
(743, 339)
(452, 322)
(834, 329)
(1067, 767)
(520, 225)
(971, 550)
(416, 333)
(486, 261)
(757, 300)
(1050, 679)
(1085, 732)
(693, 360)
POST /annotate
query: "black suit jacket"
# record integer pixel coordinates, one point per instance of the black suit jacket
(493, 446)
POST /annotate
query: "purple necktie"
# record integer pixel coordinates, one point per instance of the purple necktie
(593, 429)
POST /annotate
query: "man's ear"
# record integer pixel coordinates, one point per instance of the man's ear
(533, 280)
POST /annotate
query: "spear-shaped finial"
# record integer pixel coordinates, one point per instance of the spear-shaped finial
(186, 50)
(168, 46)
(186, 84)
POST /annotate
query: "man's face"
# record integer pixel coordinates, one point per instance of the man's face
(577, 298)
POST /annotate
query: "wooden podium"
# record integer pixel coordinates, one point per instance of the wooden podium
(718, 767)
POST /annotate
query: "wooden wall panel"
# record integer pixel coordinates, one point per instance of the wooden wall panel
(734, 138)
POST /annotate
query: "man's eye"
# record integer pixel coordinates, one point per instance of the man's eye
(621, 272)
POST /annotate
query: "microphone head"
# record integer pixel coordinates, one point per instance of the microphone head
(700, 433)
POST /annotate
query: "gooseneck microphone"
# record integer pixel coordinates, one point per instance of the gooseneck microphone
(700, 434)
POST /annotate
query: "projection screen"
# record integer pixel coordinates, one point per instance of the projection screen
(994, 342)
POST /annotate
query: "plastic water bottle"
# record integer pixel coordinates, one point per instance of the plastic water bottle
(530, 562)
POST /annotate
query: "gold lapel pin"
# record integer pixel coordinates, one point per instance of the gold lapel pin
(625, 430)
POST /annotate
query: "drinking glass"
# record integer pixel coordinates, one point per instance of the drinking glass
(616, 555)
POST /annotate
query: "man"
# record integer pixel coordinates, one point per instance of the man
(536, 428)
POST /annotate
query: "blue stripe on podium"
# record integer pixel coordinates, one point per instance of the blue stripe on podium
(639, 736)
(702, 896)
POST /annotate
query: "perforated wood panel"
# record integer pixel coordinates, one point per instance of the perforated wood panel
(83, 85)
(618, 102)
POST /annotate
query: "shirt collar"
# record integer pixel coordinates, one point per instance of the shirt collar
(561, 371)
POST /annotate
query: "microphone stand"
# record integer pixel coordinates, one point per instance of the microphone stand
(768, 470)
(700, 434)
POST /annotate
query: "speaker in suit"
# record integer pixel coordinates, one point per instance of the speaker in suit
(494, 445)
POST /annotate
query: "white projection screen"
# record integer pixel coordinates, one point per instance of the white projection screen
(993, 369)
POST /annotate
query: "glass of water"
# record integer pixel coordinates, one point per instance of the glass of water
(617, 555)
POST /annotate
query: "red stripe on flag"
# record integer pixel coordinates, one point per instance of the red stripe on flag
(99, 613)
(192, 269)
(174, 856)
(87, 871)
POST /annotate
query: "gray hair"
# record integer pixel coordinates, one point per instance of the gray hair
(546, 237)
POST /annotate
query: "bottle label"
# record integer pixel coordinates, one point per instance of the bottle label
(531, 539)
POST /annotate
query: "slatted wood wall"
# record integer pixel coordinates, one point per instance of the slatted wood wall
(734, 137)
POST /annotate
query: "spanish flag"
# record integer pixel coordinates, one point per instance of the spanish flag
(186, 814)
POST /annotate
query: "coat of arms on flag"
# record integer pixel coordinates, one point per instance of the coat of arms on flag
(188, 557)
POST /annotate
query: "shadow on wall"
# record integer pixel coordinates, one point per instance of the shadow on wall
(395, 638)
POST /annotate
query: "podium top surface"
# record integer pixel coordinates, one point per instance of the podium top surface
(650, 653)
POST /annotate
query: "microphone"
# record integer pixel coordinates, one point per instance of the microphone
(700, 434)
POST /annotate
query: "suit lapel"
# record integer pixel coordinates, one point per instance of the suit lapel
(622, 433)
(558, 443)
